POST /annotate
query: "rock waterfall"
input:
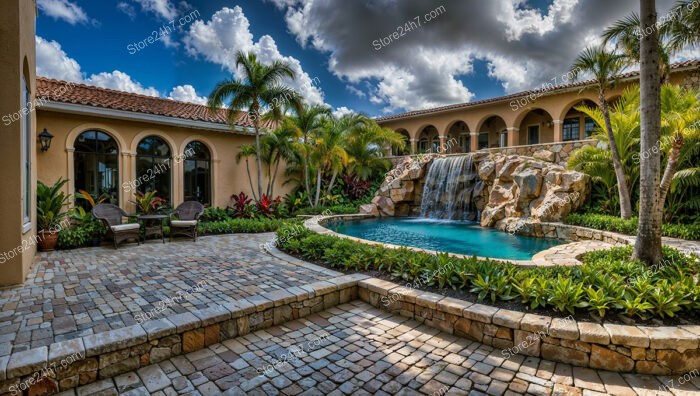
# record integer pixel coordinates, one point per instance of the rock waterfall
(448, 189)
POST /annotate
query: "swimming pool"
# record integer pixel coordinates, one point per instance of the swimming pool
(459, 237)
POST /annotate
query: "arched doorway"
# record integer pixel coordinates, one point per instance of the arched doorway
(154, 167)
(458, 140)
(537, 126)
(493, 133)
(197, 169)
(429, 140)
(577, 125)
(96, 165)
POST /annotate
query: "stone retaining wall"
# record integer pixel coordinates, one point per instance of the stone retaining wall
(640, 349)
(570, 233)
(557, 153)
(111, 353)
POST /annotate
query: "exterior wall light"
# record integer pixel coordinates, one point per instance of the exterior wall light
(45, 140)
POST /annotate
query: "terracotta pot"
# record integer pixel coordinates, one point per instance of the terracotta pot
(47, 240)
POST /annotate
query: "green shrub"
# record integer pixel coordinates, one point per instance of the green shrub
(234, 226)
(629, 227)
(216, 214)
(336, 210)
(608, 281)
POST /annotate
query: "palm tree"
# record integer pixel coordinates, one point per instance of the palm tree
(258, 90)
(246, 151)
(680, 122)
(647, 247)
(626, 34)
(595, 161)
(278, 146)
(307, 121)
(684, 29)
(328, 153)
(605, 66)
(367, 146)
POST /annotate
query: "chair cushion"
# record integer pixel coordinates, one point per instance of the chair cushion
(183, 223)
(125, 227)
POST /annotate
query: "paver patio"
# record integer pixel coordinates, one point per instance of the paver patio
(357, 349)
(86, 291)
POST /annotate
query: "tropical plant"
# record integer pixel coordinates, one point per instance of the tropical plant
(84, 195)
(260, 89)
(605, 66)
(245, 152)
(277, 146)
(50, 204)
(241, 206)
(148, 202)
(267, 207)
(366, 145)
(595, 161)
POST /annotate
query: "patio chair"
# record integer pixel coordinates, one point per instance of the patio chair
(112, 217)
(187, 220)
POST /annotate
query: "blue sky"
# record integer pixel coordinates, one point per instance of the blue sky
(471, 50)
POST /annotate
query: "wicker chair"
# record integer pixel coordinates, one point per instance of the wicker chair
(112, 217)
(187, 220)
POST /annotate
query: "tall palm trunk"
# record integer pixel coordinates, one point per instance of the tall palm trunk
(330, 185)
(305, 170)
(622, 187)
(318, 186)
(250, 179)
(274, 176)
(256, 122)
(647, 248)
(671, 166)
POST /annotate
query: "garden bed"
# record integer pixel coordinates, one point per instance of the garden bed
(607, 287)
(629, 227)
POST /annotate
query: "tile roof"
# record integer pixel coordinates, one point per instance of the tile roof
(548, 89)
(81, 94)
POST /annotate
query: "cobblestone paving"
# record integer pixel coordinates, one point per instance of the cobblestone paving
(85, 291)
(359, 350)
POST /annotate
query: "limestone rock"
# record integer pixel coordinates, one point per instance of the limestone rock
(545, 155)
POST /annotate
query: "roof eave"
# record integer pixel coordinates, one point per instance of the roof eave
(72, 108)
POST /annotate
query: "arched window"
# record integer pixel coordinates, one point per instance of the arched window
(197, 173)
(154, 167)
(96, 165)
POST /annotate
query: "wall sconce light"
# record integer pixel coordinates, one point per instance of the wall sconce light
(550, 124)
(45, 140)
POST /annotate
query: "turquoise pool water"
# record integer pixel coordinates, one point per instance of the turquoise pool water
(445, 236)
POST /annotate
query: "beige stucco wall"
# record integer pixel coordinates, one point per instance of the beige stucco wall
(228, 177)
(513, 115)
(17, 30)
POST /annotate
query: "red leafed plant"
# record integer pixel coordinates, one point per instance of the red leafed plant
(354, 187)
(267, 206)
(148, 203)
(241, 206)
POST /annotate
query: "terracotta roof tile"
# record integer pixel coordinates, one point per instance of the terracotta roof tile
(73, 93)
(679, 65)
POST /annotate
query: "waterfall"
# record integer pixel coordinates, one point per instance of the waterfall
(448, 189)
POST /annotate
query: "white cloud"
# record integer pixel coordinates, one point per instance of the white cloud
(341, 111)
(524, 47)
(186, 93)
(355, 91)
(121, 82)
(228, 32)
(64, 10)
(161, 8)
(53, 62)
(127, 9)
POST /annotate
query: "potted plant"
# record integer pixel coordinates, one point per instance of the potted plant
(148, 203)
(50, 204)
